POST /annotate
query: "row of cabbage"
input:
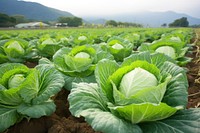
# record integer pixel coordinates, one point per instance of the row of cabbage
(122, 81)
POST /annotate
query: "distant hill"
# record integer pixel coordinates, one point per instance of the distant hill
(31, 10)
(152, 19)
(95, 20)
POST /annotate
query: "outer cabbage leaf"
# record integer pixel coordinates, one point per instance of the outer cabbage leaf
(37, 110)
(50, 81)
(70, 80)
(8, 117)
(184, 121)
(145, 112)
(103, 70)
(176, 93)
(108, 123)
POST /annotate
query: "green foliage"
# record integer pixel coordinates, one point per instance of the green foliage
(6, 21)
(182, 22)
(121, 24)
(164, 25)
(77, 64)
(16, 50)
(118, 47)
(111, 23)
(27, 92)
(175, 45)
(149, 109)
(20, 19)
(71, 21)
(137, 92)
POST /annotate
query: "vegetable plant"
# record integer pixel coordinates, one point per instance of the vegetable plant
(15, 50)
(47, 46)
(118, 47)
(77, 64)
(26, 93)
(172, 48)
(146, 93)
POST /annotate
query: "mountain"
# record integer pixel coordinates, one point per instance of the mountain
(94, 20)
(37, 11)
(147, 18)
(31, 10)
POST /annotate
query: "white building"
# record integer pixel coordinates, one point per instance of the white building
(32, 25)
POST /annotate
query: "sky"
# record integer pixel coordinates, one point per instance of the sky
(83, 8)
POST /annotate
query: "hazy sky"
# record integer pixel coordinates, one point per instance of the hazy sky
(107, 7)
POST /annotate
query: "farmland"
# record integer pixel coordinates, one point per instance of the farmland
(75, 80)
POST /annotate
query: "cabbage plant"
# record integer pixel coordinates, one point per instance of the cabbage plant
(118, 47)
(47, 46)
(80, 39)
(77, 64)
(172, 48)
(16, 50)
(145, 94)
(26, 93)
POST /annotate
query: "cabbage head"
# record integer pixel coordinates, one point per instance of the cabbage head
(16, 50)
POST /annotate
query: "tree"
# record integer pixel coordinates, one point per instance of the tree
(71, 21)
(164, 25)
(6, 21)
(111, 23)
(182, 22)
(20, 19)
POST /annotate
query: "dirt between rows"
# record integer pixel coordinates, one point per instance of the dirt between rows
(63, 122)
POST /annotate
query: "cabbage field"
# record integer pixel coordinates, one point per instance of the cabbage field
(112, 80)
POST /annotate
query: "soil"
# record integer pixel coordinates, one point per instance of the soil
(63, 122)
(193, 75)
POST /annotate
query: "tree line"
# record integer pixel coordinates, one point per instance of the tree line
(11, 21)
(181, 22)
(121, 24)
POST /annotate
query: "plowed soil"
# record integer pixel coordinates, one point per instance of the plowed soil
(63, 122)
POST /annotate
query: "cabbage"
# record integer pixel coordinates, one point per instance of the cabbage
(78, 63)
(15, 80)
(177, 39)
(147, 93)
(17, 46)
(26, 93)
(167, 50)
(16, 50)
(82, 55)
(48, 41)
(82, 38)
(117, 46)
(136, 80)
